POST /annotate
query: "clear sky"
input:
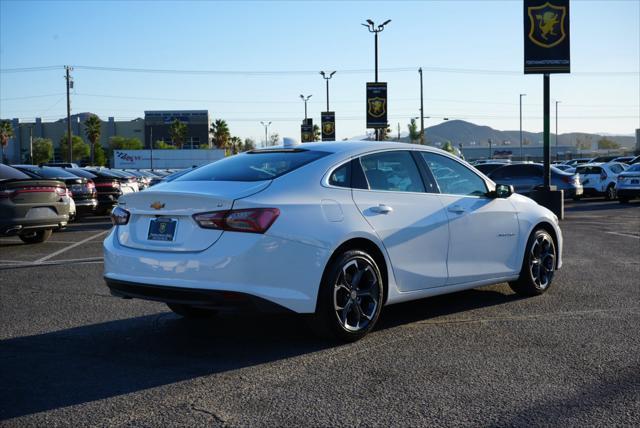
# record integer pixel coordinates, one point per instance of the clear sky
(261, 55)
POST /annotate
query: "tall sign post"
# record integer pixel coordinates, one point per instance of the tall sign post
(306, 131)
(328, 123)
(376, 105)
(547, 51)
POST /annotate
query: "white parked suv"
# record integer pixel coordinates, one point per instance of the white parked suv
(599, 179)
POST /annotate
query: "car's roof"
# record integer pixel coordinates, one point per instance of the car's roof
(353, 146)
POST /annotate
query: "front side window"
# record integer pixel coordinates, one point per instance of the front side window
(392, 171)
(452, 177)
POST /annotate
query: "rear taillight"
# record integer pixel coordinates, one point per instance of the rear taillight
(119, 216)
(254, 220)
(6, 193)
(565, 178)
(603, 175)
(91, 185)
(62, 191)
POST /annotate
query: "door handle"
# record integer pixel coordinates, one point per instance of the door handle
(382, 209)
(456, 209)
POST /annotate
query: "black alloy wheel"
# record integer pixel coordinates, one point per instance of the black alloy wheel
(538, 266)
(351, 296)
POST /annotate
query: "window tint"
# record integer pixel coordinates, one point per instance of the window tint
(617, 169)
(8, 173)
(254, 166)
(586, 170)
(394, 171)
(452, 177)
(341, 176)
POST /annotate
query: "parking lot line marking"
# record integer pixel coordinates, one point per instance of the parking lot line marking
(624, 234)
(18, 265)
(70, 247)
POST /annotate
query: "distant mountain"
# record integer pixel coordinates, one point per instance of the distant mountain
(460, 131)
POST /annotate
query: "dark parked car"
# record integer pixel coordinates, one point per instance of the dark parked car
(526, 177)
(83, 190)
(107, 186)
(487, 168)
(31, 208)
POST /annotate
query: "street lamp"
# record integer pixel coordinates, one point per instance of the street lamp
(266, 132)
(327, 78)
(521, 95)
(375, 30)
(305, 99)
(557, 102)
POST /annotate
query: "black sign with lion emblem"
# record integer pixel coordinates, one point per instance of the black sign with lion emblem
(328, 120)
(306, 131)
(376, 104)
(546, 36)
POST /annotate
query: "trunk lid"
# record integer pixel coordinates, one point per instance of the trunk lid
(174, 204)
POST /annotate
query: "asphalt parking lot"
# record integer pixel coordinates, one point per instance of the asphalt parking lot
(72, 355)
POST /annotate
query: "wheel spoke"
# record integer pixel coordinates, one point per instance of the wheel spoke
(356, 294)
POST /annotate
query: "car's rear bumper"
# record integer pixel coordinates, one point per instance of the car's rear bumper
(86, 205)
(212, 299)
(284, 272)
(628, 193)
(10, 228)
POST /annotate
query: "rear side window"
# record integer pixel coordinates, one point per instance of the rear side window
(341, 176)
(393, 171)
(254, 166)
(617, 169)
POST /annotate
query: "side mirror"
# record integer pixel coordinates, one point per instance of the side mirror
(503, 190)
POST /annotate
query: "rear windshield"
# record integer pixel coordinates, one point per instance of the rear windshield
(80, 172)
(586, 170)
(51, 172)
(254, 166)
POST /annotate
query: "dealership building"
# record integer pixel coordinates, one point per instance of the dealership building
(155, 125)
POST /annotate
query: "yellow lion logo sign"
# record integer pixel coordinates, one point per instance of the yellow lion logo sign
(327, 128)
(377, 107)
(547, 24)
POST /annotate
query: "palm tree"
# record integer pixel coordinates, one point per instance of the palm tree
(221, 134)
(316, 133)
(178, 132)
(236, 145)
(92, 129)
(6, 132)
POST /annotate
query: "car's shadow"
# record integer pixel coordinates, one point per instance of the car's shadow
(93, 362)
(597, 205)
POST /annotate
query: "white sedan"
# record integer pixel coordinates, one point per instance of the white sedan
(333, 229)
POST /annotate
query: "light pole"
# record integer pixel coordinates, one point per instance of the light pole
(521, 95)
(305, 99)
(422, 139)
(371, 26)
(69, 86)
(266, 132)
(557, 102)
(327, 78)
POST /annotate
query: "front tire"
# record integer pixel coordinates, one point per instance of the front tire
(36, 237)
(538, 266)
(350, 298)
(187, 311)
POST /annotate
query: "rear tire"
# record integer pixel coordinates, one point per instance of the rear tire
(36, 237)
(350, 297)
(610, 193)
(187, 311)
(538, 266)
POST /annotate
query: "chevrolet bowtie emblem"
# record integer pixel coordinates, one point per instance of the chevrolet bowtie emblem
(157, 205)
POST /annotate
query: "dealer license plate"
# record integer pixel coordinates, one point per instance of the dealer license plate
(162, 229)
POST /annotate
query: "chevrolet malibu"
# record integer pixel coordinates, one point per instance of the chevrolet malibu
(337, 230)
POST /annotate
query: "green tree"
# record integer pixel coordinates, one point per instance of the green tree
(249, 144)
(448, 147)
(161, 145)
(606, 144)
(100, 157)
(123, 143)
(178, 132)
(92, 129)
(384, 133)
(414, 133)
(79, 149)
(317, 136)
(42, 150)
(221, 134)
(6, 133)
